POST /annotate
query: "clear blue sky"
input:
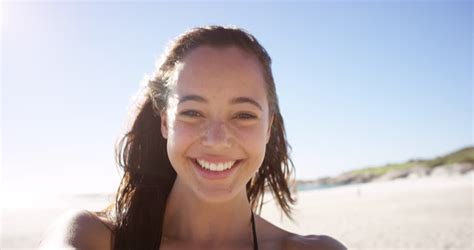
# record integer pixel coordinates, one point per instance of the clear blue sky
(360, 83)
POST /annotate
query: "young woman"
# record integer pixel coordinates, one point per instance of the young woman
(207, 141)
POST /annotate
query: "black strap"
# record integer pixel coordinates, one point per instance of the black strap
(255, 243)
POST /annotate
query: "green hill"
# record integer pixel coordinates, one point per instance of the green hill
(465, 155)
(462, 155)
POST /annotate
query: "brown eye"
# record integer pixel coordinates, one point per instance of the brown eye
(245, 116)
(190, 113)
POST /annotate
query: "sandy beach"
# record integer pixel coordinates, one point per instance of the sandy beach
(429, 213)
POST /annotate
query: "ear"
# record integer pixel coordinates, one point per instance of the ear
(164, 124)
(269, 131)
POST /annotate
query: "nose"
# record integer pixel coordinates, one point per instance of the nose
(216, 135)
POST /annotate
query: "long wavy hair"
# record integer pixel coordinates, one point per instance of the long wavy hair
(140, 202)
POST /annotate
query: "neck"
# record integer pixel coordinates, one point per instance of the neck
(188, 218)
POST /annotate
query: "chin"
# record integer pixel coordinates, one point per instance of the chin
(216, 195)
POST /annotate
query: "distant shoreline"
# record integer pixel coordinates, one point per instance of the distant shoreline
(458, 163)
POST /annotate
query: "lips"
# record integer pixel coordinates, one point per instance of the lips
(205, 170)
(215, 166)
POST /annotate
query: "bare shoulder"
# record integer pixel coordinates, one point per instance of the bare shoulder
(77, 229)
(271, 236)
(315, 242)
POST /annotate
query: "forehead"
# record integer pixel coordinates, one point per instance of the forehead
(213, 68)
(230, 56)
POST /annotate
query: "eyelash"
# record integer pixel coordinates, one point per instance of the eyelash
(245, 116)
(194, 113)
(191, 113)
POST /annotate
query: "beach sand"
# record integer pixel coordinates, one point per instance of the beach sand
(428, 213)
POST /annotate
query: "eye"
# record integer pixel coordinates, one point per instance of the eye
(190, 113)
(245, 116)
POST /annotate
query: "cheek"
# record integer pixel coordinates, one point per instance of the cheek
(181, 135)
(178, 137)
(255, 146)
(252, 138)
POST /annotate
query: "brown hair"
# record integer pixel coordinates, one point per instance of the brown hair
(148, 175)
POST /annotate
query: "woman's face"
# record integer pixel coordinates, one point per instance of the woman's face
(217, 121)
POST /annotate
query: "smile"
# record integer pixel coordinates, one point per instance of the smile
(215, 166)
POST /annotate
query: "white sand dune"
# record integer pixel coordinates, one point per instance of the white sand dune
(430, 213)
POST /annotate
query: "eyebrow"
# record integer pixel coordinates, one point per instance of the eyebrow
(236, 100)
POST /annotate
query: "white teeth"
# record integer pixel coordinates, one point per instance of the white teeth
(216, 166)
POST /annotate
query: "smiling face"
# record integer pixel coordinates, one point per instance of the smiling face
(217, 121)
